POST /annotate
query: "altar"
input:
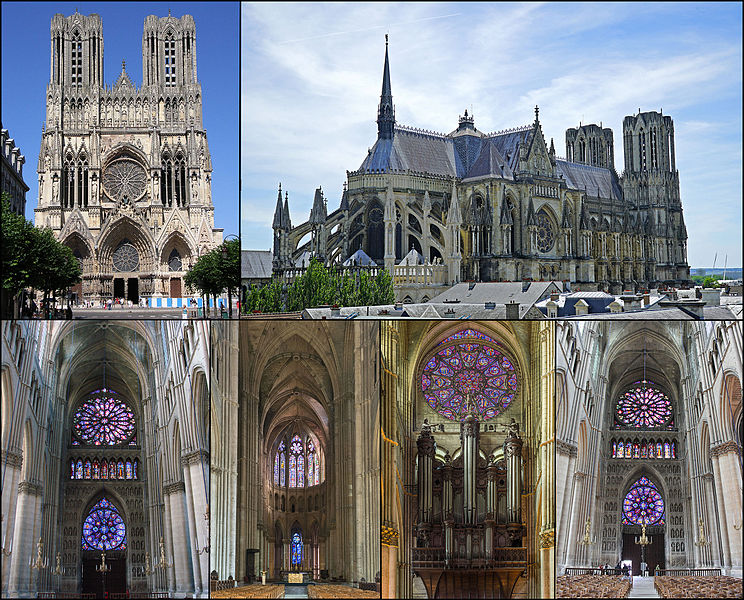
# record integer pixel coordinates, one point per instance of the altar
(296, 577)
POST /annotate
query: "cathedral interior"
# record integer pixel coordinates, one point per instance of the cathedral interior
(295, 463)
(467, 460)
(105, 462)
(649, 446)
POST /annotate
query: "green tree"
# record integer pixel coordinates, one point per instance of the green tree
(321, 285)
(32, 258)
(216, 271)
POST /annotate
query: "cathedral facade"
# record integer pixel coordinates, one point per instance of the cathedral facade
(467, 435)
(503, 206)
(125, 171)
(105, 453)
(649, 444)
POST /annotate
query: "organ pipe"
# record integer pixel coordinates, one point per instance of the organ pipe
(513, 454)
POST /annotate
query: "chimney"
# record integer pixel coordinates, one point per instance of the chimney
(554, 296)
(512, 310)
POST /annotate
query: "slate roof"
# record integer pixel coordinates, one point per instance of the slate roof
(710, 313)
(580, 177)
(359, 258)
(423, 311)
(497, 292)
(255, 264)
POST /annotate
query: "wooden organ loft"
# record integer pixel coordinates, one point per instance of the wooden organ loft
(468, 532)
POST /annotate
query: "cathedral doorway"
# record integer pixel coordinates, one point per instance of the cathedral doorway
(654, 551)
(118, 287)
(133, 290)
(93, 581)
(175, 287)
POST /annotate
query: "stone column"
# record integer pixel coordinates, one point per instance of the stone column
(176, 493)
(21, 582)
(722, 517)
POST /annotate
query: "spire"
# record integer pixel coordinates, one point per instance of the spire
(278, 211)
(386, 110)
(453, 214)
(345, 199)
(530, 213)
(286, 221)
(318, 213)
(506, 218)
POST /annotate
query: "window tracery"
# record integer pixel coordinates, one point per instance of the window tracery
(103, 528)
(468, 367)
(104, 420)
(301, 468)
(644, 406)
(643, 504)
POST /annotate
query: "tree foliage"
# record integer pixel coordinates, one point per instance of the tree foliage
(33, 258)
(320, 285)
(216, 271)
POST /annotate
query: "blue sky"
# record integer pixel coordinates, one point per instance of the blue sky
(311, 78)
(25, 74)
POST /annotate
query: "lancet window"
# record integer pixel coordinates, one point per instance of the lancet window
(647, 449)
(297, 463)
(173, 179)
(85, 468)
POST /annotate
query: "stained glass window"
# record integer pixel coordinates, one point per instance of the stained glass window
(79, 470)
(667, 452)
(128, 469)
(103, 528)
(296, 548)
(296, 462)
(282, 470)
(292, 471)
(104, 420)
(310, 461)
(468, 333)
(96, 470)
(86, 470)
(469, 370)
(276, 469)
(104, 470)
(134, 468)
(317, 470)
(643, 406)
(643, 504)
(300, 471)
(120, 469)
(644, 450)
(620, 449)
(72, 469)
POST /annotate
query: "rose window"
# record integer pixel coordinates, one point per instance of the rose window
(643, 504)
(125, 179)
(104, 420)
(643, 406)
(469, 369)
(545, 232)
(103, 528)
(126, 258)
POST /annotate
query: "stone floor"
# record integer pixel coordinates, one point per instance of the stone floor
(643, 587)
